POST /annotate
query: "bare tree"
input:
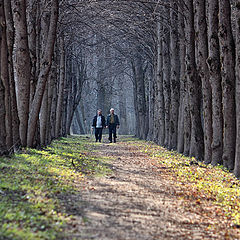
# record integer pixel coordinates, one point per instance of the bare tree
(237, 159)
(196, 145)
(227, 53)
(22, 66)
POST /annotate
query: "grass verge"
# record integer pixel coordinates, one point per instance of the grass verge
(200, 182)
(35, 186)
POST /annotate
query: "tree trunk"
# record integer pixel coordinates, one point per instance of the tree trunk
(183, 92)
(160, 96)
(6, 82)
(237, 158)
(81, 127)
(44, 72)
(227, 50)
(51, 86)
(59, 111)
(23, 66)
(122, 107)
(202, 55)
(44, 117)
(215, 79)
(141, 98)
(151, 112)
(2, 93)
(33, 20)
(166, 81)
(54, 102)
(3, 146)
(194, 87)
(10, 43)
(174, 82)
(70, 100)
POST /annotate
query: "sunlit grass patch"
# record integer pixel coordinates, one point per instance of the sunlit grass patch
(202, 181)
(33, 185)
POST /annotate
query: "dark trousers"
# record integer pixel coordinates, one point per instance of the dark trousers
(112, 131)
(98, 134)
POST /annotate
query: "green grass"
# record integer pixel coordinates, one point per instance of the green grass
(33, 185)
(204, 182)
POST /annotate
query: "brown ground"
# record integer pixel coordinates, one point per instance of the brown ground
(139, 202)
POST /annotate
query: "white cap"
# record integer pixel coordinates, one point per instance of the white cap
(112, 109)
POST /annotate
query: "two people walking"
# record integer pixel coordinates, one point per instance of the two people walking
(99, 123)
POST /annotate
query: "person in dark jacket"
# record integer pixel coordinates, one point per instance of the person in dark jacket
(99, 123)
(112, 125)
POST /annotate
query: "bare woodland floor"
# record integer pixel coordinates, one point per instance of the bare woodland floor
(139, 201)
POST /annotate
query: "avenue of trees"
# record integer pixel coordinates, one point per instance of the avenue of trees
(174, 64)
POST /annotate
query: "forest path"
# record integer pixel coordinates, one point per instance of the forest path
(137, 201)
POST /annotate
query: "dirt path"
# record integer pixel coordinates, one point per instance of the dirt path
(136, 202)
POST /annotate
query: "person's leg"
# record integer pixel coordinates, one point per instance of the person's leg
(97, 133)
(100, 135)
(114, 133)
(110, 133)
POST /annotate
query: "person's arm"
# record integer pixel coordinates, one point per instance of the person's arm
(117, 121)
(93, 123)
(107, 122)
(103, 122)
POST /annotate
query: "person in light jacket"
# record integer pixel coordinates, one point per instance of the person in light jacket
(99, 123)
(112, 125)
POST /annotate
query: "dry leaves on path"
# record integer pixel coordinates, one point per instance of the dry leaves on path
(140, 201)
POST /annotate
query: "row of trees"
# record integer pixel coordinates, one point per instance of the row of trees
(195, 86)
(41, 80)
(184, 61)
(182, 57)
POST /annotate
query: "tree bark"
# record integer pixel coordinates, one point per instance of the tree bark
(166, 80)
(141, 98)
(10, 43)
(160, 96)
(174, 82)
(3, 146)
(44, 118)
(183, 91)
(6, 82)
(81, 127)
(237, 158)
(202, 55)
(59, 110)
(227, 51)
(215, 79)
(44, 72)
(22, 66)
(196, 146)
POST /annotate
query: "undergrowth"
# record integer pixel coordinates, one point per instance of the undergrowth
(203, 181)
(34, 186)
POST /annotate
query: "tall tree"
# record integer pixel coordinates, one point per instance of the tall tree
(175, 77)
(184, 116)
(237, 159)
(46, 63)
(159, 80)
(215, 79)
(2, 92)
(194, 87)
(6, 82)
(227, 51)
(59, 110)
(202, 55)
(10, 44)
(166, 77)
(22, 66)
